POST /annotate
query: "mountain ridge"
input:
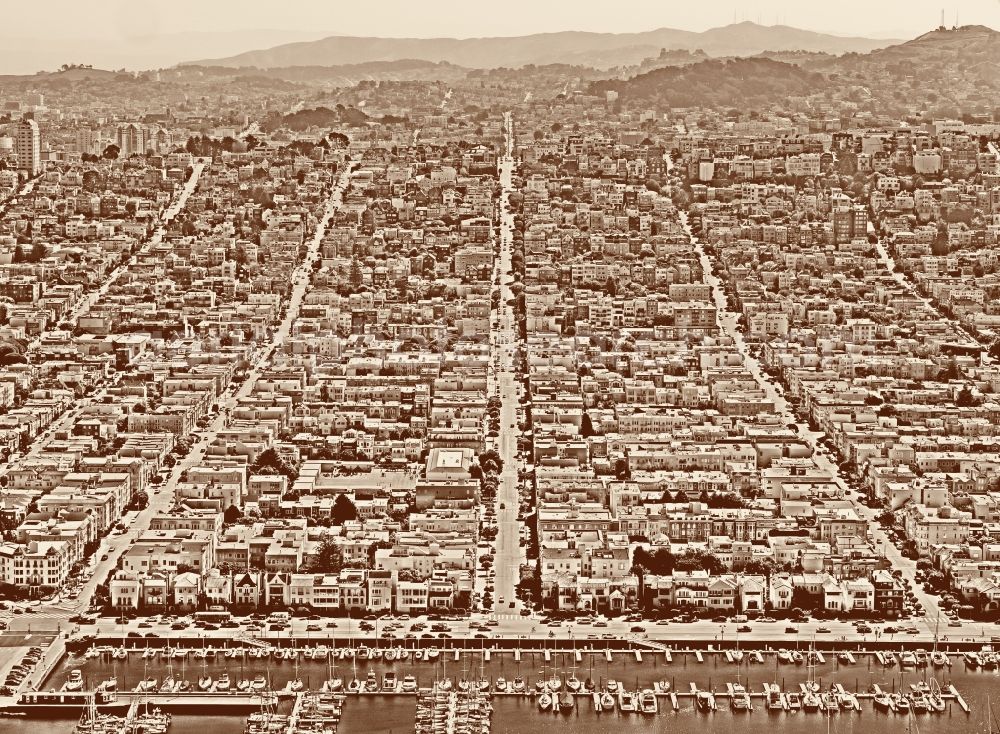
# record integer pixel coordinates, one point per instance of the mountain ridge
(740, 39)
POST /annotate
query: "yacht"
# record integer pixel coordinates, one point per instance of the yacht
(939, 659)
(243, 685)
(334, 684)
(545, 702)
(168, 685)
(794, 701)
(573, 683)
(739, 701)
(259, 683)
(389, 682)
(882, 701)
(371, 683)
(74, 682)
(647, 701)
(704, 701)
(607, 701)
(518, 685)
(774, 702)
(222, 684)
(501, 685)
(409, 684)
(205, 682)
(295, 685)
(626, 702)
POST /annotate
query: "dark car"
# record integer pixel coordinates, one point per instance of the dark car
(744, 628)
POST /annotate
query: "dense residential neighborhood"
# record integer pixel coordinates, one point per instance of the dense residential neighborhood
(546, 356)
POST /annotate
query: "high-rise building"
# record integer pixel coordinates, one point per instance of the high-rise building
(131, 140)
(29, 148)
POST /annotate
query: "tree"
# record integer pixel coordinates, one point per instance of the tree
(965, 398)
(329, 558)
(622, 471)
(355, 276)
(111, 152)
(343, 510)
(269, 458)
(232, 515)
(491, 461)
(140, 500)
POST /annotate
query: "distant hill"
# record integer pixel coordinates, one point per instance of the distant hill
(967, 48)
(722, 83)
(344, 75)
(20, 53)
(573, 47)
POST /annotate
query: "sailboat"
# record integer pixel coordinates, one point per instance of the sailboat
(355, 685)
(573, 683)
(295, 684)
(333, 683)
(205, 681)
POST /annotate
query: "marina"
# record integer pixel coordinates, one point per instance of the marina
(263, 687)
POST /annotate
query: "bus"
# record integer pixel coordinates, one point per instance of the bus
(213, 616)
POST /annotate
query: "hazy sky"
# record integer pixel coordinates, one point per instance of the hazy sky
(464, 18)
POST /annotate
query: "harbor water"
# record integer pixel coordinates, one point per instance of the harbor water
(371, 713)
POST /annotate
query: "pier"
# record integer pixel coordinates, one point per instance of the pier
(441, 710)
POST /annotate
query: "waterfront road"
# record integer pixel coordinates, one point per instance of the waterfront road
(704, 632)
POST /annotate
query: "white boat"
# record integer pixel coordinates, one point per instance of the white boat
(647, 701)
(243, 685)
(334, 684)
(607, 701)
(295, 685)
(168, 684)
(433, 653)
(545, 701)
(259, 683)
(573, 683)
(501, 684)
(907, 660)
(205, 682)
(354, 686)
(74, 682)
(612, 685)
(626, 702)
(222, 684)
(518, 685)
(409, 684)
